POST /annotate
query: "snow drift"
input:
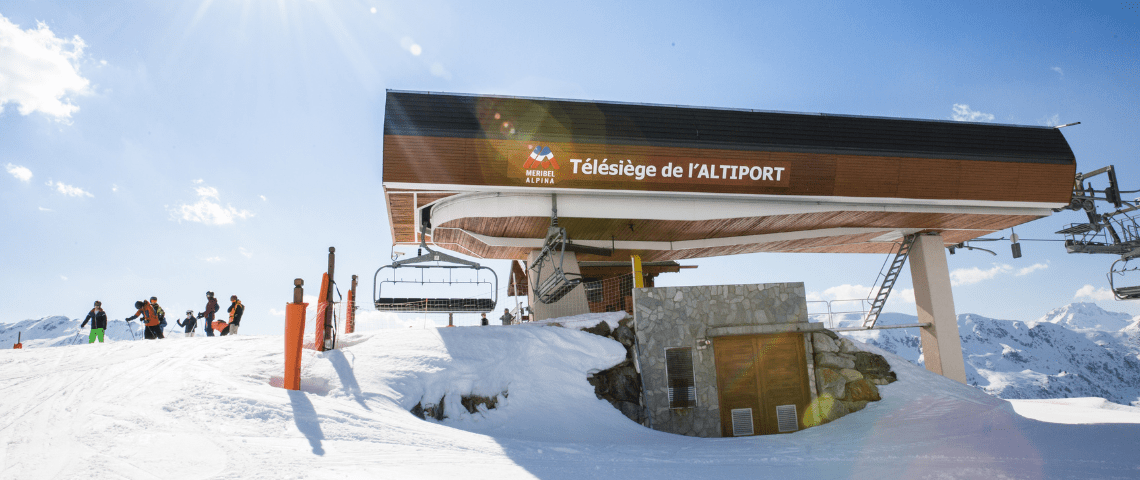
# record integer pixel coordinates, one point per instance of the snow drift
(205, 408)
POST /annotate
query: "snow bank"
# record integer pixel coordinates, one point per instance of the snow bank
(205, 408)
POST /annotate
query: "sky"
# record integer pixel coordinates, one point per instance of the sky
(170, 148)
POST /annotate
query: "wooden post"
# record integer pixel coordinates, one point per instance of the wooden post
(294, 336)
(330, 342)
(350, 310)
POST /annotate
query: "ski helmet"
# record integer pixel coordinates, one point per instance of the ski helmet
(189, 312)
(98, 303)
(139, 304)
(154, 299)
(210, 294)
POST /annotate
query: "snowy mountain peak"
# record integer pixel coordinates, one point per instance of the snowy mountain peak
(1087, 315)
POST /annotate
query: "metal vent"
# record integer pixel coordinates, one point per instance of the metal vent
(742, 422)
(786, 418)
(679, 370)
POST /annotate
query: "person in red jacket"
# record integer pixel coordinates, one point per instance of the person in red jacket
(149, 318)
(211, 308)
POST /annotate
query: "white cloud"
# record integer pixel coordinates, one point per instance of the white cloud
(245, 252)
(1051, 121)
(214, 259)
(1032, 268)
(263, 198)
(1094, 293)
(276, 313)
(68, 189)
(841, 292)
(40, 72)
(63, 277)
(21, 173)
(967, 276)
(206, 210)
(963, 113)
(373, 9)
(207, 192)
(1059, 71)
(114, 187)
(42, 209)
(198, 181)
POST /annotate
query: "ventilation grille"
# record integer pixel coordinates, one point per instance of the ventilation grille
(682, 385)
(742, 422)
(786, 418)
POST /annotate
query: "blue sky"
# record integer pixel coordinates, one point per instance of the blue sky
(169, 148)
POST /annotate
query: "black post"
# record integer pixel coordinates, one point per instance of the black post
(330, 342)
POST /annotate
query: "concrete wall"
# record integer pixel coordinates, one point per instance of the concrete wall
(668, 317)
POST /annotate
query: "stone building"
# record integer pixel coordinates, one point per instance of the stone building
(737, 360)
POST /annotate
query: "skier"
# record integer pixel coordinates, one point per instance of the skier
(507, 317)
(150, 319)
(236, 309)
(211, 308)
(161, 317)
(189, 322)
(483, 320)
(98, 320)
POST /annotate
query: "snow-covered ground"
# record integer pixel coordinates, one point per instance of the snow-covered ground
(205, 408)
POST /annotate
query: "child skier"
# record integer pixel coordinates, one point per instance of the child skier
(189, 322)
(98, 320)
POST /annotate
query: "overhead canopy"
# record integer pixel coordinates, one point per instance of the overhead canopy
(681, 182)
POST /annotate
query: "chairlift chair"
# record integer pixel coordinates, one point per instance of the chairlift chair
(430, 261)
(1124, 292)
(557, 283)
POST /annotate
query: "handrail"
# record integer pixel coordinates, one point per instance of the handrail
(831, 313)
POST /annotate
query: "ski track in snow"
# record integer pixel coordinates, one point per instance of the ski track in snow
(204, 408)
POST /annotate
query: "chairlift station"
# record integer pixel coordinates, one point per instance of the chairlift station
(566, 182)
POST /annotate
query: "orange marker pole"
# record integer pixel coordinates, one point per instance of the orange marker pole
(322, 307)
(350, 313)
(294, 336)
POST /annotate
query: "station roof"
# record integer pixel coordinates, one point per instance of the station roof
(615, 123)
(711, 181)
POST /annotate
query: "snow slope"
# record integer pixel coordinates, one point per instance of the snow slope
(205, 408)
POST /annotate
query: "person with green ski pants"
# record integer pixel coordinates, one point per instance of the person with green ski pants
(98, 319)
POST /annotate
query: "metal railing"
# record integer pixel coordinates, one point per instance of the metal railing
(829, 316)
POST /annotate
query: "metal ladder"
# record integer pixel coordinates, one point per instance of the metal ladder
(889, 282)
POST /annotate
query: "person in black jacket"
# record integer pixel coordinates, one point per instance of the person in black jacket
(211, 308)
(98, 319)
(188, 323)
(236, 309)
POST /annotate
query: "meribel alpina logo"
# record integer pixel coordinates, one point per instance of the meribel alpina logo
(540, 166)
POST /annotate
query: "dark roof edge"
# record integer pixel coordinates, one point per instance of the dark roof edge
(752, 110)
(1067, 160)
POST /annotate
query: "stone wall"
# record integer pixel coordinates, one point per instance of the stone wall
(668, 317)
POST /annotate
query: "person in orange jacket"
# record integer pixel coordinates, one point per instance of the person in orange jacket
(149, 318)
(236, 310)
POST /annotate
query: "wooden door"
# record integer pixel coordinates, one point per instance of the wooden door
(759, 375)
